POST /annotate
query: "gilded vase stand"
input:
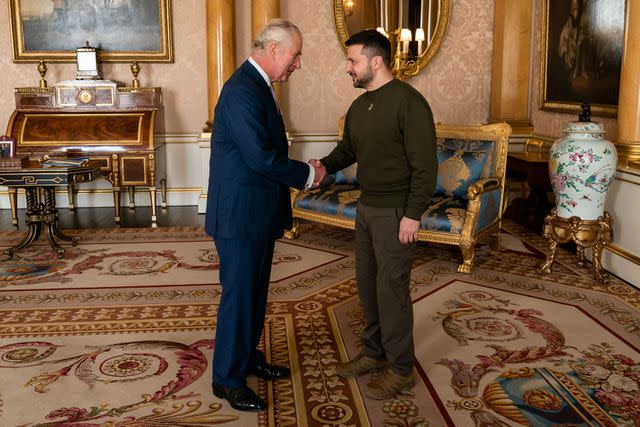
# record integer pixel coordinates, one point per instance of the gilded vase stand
(595, 234)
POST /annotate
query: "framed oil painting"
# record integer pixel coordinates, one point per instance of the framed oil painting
(122, 30)
(581, 55)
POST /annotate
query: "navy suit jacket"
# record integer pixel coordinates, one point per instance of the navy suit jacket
(249, 170)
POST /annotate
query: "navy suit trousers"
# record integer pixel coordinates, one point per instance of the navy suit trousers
(245, 268)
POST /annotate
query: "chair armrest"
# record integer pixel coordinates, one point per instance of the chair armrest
(483, 185)
(295, 195)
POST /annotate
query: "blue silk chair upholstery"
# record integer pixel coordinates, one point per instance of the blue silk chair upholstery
(338, 199)
(461, 163)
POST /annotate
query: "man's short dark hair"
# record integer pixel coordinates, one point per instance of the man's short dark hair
(373, 44)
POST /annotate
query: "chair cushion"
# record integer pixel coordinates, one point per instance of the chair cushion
(461, 163)
(338, 199)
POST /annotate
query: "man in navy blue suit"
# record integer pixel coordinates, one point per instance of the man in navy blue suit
(248, 206)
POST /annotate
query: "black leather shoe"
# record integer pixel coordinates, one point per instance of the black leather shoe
(270, 372)
(241, 398)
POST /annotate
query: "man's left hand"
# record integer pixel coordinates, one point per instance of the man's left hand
(408, 230)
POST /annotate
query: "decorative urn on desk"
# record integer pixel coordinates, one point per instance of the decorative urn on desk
(582, 166)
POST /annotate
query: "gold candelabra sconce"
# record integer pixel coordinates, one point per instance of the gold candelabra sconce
(347, 5)
(404, 64)
(135, 70)
(42, 69)
(424, 23)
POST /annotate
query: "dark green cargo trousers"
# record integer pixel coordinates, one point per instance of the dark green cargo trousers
(383, 269)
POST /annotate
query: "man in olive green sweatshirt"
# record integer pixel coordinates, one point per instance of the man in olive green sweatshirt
(389, 131)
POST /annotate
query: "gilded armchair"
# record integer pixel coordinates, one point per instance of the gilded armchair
(466, 207)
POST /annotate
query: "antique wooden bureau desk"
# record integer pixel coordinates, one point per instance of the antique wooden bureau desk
(117, 126)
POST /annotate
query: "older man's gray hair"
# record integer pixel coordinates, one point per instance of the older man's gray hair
(276, 31)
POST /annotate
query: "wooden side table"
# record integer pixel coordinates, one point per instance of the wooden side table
(534, 168)
(595, 234)
(42, 214)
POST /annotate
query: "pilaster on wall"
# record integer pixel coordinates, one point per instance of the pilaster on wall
(263, 11)
(221, 60)
(221, 63)
(628, 143)
(511, 65)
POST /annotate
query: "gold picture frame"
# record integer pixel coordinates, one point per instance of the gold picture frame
(122, 30)
(581, 55)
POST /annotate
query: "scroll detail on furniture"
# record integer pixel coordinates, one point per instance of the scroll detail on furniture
(466, 206)
(117, 132)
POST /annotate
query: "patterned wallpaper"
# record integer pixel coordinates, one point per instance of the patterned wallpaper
(548, 123)
(456, 83)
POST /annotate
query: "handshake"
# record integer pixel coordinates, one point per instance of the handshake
(322, 179)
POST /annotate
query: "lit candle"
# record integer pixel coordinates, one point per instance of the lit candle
(419, 39)
(386, 16)
(429, 23)
(405, 38)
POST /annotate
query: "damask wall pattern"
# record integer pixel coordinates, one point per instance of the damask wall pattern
(457, 82)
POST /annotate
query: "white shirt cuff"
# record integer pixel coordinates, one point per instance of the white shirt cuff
(312, 177)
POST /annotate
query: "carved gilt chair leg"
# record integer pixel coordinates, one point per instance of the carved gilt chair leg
(293, 233)
(467, 257)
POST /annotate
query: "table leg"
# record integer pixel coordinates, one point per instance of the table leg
(72, 204)
(51, 221)
(154, 218)
(116, 204)
(163, 192)
(13, 202)
(51, 217)
(132, 197)
(34, 222)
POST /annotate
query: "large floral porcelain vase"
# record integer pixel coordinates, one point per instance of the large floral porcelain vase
(582, 166)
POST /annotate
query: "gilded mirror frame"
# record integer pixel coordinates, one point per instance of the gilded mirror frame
(422, 61)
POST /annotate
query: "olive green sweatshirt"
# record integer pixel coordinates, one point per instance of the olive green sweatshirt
(390, 133)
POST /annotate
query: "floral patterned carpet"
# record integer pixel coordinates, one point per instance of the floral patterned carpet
(120, 333)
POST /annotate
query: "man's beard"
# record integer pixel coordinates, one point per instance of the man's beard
(362, 82)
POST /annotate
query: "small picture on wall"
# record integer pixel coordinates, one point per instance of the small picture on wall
(120, 29)
(582, 43)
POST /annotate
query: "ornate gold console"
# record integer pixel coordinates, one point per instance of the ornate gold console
(120, 135)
